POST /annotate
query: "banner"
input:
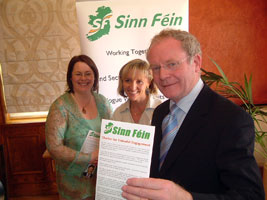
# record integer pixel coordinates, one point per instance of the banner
(116, 31)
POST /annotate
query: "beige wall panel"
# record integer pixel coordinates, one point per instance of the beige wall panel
(38, 38)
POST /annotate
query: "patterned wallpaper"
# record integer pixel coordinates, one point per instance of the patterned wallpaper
(37, 40)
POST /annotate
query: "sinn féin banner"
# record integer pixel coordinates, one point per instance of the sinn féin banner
(116, 31)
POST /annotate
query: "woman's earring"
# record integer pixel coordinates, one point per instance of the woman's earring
(147, 91)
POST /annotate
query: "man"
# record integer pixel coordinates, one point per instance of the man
(208, 153)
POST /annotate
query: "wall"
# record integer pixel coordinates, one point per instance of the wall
(233, 33)
(37, 40)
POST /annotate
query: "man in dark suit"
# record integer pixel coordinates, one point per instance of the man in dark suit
(207, 154)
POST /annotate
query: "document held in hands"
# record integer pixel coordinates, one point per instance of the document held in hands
(125, 151)
(91, 142)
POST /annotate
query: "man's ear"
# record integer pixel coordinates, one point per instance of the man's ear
(197, 61)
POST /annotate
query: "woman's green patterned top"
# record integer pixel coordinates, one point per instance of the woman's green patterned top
(66, 130)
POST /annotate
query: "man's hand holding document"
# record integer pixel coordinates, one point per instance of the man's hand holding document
(125, 151)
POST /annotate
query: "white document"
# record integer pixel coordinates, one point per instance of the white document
(91, 142)
(125, 151)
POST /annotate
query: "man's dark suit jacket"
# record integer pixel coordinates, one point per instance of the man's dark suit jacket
(212, 153)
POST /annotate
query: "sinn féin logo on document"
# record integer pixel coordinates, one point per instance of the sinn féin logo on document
(100, 23)
(108, 128)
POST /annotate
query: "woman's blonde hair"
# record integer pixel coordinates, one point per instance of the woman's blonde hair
(133, 66)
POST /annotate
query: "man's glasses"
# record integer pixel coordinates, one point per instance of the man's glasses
(171, 66)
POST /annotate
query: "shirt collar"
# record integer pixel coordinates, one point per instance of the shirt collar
(126, 106)
(150, 104)
(186, 102)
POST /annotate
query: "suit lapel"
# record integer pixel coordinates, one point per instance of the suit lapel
(159, 113)
(194, 120)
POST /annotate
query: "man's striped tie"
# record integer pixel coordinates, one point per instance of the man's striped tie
(169, 130)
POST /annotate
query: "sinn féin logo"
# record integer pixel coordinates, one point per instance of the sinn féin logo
(100, 23)
(108, 128)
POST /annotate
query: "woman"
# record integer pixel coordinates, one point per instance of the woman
(136, 83)
(79, 110)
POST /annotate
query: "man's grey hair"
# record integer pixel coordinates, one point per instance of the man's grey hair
(189, 42)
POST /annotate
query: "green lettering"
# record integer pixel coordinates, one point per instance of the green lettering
(155, 18)
(122, 131)
(115, 128)
(120, 21)
(127, 22)
(180, 20)
(134, 133)
(127, 132)
(142, 21)
(135, 21)
(147, 135)
(165, 20)
(141, 134)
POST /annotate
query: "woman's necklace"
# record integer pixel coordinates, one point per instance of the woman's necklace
(84, 110)
(83, 107)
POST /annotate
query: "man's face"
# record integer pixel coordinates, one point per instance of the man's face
(177, 82)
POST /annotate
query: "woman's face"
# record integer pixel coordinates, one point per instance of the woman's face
(135, 85)
(82, 77)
